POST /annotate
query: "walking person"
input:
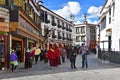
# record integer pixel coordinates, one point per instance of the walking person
(73, 59)
(51, 56)
(28, 57)
(84, 55)
(13, 61)
(57, 55)
(43, 54)
(37, 54)
(63, 53)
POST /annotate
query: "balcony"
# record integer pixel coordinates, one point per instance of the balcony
(59, 26)
(59, 37)
(68, 39)
(71, 40)
(70, 30)
(47, 21)
(67, 29)
(53, 23)
(63, 27)
(54, 36)
(64, 38)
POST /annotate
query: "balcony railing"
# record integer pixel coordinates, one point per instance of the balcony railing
(53, 23)
(63, 27)
(67, 29)
(59, 26)
(47, 21)
(64, 38)
(70, 30)
(53, 36)
(59, 37)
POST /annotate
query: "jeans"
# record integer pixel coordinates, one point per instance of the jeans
(84, 60)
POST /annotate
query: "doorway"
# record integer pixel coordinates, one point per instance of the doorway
(17, 46)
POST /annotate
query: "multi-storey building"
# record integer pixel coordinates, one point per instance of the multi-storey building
(4, 34)
(58, 28)
(24, 26)
(85, 33)
(109, 26)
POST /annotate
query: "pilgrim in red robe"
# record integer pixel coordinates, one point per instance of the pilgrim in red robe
(57, 55)
(51, 57)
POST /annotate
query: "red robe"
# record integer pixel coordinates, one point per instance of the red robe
(57, 56)
(51, 56)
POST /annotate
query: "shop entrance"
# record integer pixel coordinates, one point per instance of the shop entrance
(17, 46)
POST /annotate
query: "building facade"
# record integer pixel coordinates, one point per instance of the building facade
(24, 26)
(4, 34)
(59, 29)
(85, 33)
(109, 26)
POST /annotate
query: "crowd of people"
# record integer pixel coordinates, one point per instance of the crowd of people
(54, 55)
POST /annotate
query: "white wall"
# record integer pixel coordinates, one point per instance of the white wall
(115, 26)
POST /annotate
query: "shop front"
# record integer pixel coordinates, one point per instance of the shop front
(4, 41)
(4, 45)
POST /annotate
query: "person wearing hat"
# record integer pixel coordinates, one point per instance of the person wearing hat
(13, 61)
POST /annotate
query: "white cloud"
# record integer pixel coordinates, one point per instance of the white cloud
(94, 11)
(70, 8)
(74, 7)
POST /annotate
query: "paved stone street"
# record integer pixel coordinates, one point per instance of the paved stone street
(96, 71)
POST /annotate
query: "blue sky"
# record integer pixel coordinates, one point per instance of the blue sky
(76, 7)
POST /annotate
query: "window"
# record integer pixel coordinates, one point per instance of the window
(93, 38)
(92, 29)
(113, 9)
(77, 39)
(103, 23)
(83, 38)
(109, 15)
(77, 30)
(83, 29)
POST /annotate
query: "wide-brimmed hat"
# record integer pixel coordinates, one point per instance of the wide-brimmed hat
(28, 50)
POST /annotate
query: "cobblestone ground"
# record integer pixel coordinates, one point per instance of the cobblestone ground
(41, 71)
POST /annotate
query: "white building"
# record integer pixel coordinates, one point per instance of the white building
(85, 33)
(109, 25)
(60, 29)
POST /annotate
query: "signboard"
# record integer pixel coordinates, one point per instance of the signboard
(2, 1)
(4, 27)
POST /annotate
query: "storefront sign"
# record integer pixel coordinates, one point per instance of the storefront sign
(4, 27)
(26, 35)
(2, 1)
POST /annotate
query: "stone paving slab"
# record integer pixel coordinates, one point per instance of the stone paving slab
(40, 69)
(99, 74)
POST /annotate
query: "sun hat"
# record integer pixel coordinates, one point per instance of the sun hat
(28, 50)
